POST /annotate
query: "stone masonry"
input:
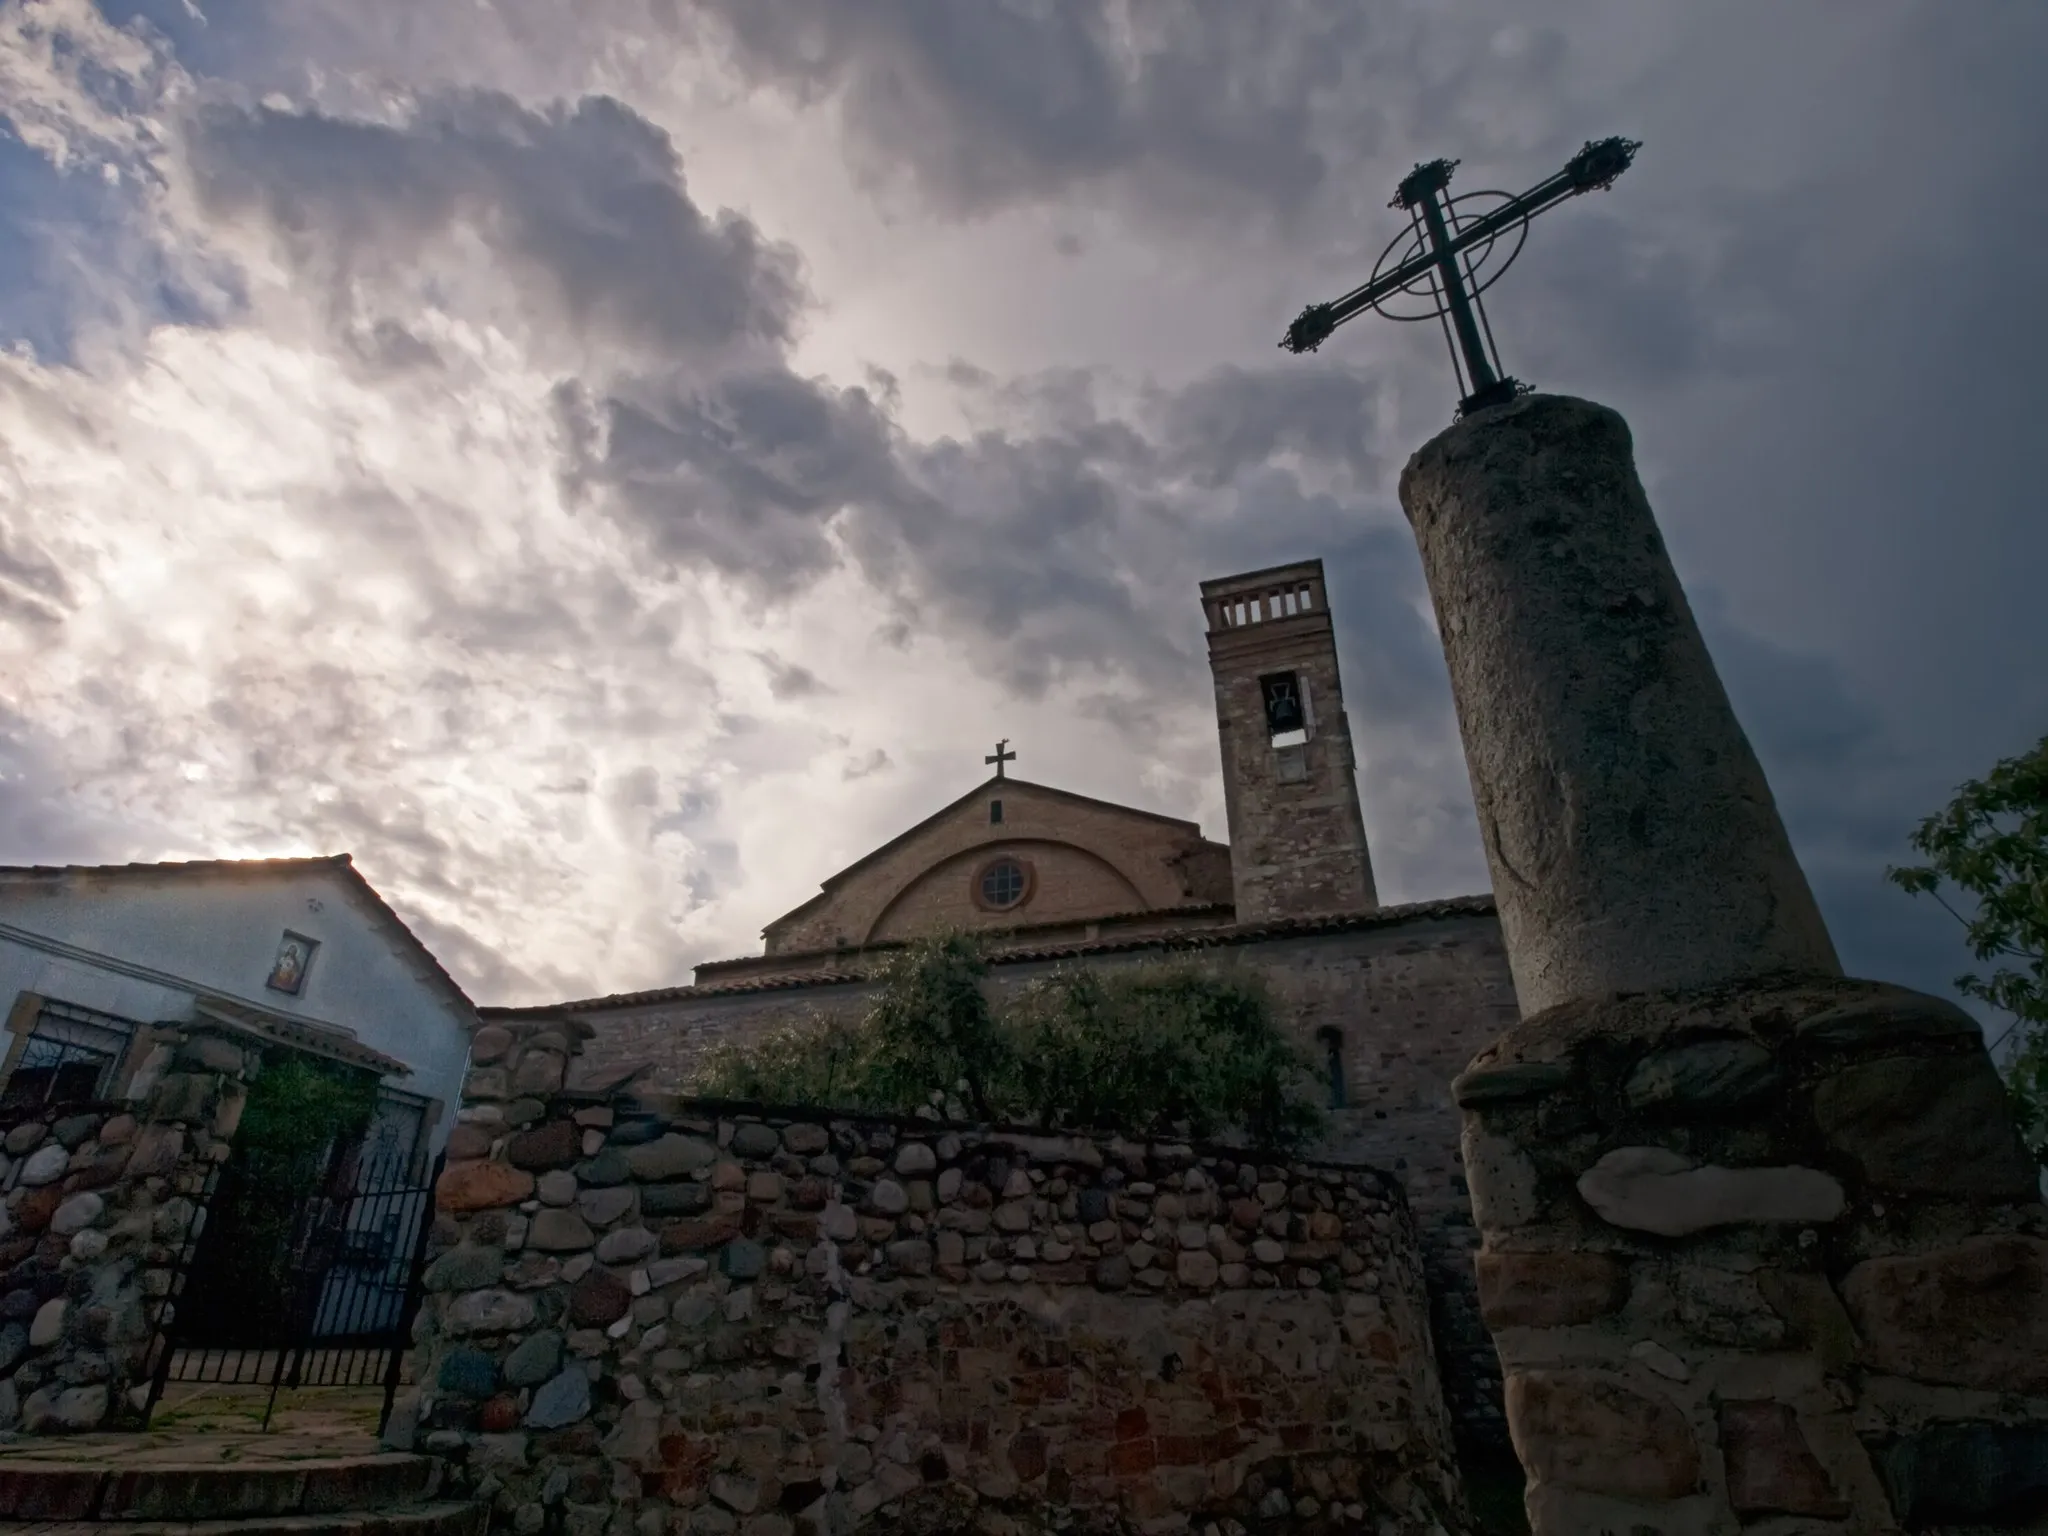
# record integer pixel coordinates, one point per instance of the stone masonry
(101, 1200)
(649, 1315)
(1761, 1247)
(1412, 994)
(1760, 1255)
(1297, 834)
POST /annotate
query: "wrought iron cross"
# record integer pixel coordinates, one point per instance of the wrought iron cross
(1444, 264)
(1002, 756)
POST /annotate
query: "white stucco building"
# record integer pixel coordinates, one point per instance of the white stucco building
(300, 952)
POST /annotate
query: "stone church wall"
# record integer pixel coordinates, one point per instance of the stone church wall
(1412, 1004)
(654, 1315)
(1414, 994)
(672, 1035)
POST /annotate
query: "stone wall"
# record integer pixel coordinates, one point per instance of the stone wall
(1766, 1256)
(1413, 993)
(100, 1202)
(652, 1315)
(1412, 1005)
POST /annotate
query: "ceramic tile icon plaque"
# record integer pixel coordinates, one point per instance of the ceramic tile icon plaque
(294, 958)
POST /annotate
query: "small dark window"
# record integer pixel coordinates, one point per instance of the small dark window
(1002, 883)
(995, 812)
(1333, 1061)
(1282, 692)
(1286, 708)
(68, 1058)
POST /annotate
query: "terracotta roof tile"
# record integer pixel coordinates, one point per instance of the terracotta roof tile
(1185, 909)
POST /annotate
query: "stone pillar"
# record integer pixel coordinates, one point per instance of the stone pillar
(1633, 842)
(101, 1203)
(1761, 1253)
(1761, 1247)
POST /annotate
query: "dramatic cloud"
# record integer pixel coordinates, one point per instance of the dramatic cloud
(582, 210)
(981, 104)
(608, 468)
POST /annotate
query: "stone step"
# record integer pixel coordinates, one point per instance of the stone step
(53, 1490)
(413, 1520)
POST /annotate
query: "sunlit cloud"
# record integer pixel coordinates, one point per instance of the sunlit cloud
(608, 472)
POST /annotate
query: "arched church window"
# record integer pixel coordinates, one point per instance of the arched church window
(1333, 1064)
(1004, 883)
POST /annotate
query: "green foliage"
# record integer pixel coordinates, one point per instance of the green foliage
(814, 1060)
(1991, 845)
(1148, 1049)
(931, 1027)
(299, 1110)
(1151, 1048)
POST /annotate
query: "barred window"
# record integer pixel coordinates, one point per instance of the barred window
(69, 1057)
(392, 1141)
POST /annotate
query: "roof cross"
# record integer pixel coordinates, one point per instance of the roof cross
(1443, 264)
(1002, 756)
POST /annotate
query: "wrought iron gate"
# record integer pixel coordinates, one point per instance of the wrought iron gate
(344, 1313)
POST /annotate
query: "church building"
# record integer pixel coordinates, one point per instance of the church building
(1391, 1001)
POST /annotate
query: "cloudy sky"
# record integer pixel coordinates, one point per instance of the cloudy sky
(608, 465)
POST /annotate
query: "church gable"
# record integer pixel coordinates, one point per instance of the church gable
(1018, 880)
(1010, 854)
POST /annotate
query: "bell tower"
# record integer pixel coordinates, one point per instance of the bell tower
(1290, 782)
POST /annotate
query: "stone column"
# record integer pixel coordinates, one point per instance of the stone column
(101, 1203)
(1633, 842)
(1761, 1247)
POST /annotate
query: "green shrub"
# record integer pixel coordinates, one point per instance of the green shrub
(245, 1280)
(932, 1030)
(1990, 846)
(1161, 1048)
(1147, 1049)
(812, 1060)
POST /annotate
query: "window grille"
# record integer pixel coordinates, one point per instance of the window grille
(70, 1056)
(391, 1144)
(1002, 883)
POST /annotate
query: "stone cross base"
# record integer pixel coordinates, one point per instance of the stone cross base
(1767, 1256)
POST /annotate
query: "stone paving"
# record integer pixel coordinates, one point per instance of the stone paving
(210, 1426)
(318, 1473)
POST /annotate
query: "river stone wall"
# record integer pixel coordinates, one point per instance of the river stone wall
(1766, 1258)
(1410, 996)
(647, 1315)
(100, 1203)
